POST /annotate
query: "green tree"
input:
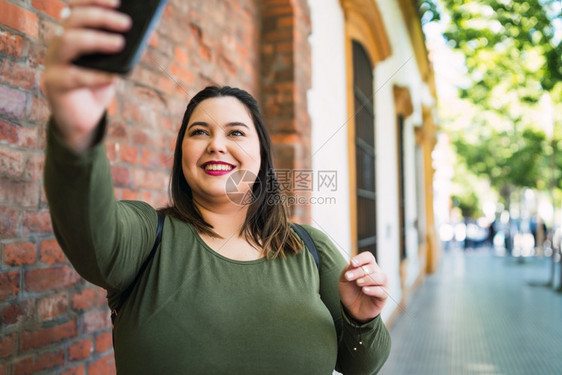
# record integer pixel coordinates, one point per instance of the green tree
(513, 60)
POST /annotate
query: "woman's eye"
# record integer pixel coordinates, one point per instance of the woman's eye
(237, 133)
(197, 132)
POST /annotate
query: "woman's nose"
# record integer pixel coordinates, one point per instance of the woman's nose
(217, 144)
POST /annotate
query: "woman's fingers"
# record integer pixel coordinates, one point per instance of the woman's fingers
(88, 28)
(70, 77)
(367, 279)
(378, 292)
(362, 265)
(102, 3)
(367, 275)
(96, 17)
(76, 42)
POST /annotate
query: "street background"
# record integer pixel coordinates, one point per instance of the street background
(480, 314)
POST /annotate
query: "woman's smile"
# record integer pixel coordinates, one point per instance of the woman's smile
(217, 168)
(221, 138)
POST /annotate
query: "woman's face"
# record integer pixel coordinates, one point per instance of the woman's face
(220, 151)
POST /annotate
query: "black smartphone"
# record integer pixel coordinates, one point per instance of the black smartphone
(145, 15)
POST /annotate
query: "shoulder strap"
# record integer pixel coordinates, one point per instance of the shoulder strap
(127, 292)
(308, 242)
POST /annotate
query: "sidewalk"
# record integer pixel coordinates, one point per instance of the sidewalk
(480, 314)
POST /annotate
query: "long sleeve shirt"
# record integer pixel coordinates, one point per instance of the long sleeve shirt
(194, 311)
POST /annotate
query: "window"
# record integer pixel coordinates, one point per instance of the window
(364, 110)
(401, 192)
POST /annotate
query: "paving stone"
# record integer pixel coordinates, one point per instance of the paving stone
(480, 314)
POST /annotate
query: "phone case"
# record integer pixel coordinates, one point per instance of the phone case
(145, 15)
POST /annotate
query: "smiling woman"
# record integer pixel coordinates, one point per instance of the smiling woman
(222, 136)
(216, 286)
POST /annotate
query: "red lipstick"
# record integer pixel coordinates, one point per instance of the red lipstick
(217, 172)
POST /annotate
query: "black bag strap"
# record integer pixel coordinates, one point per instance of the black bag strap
(308, 242)
(127, 292)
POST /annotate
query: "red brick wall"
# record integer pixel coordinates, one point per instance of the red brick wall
(51, 319)
(285, 80)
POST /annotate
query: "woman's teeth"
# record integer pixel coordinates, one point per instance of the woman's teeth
(218, 167)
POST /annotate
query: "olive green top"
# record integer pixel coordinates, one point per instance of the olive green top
(195, 311)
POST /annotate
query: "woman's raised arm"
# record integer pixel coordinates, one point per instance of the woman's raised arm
(77, 96)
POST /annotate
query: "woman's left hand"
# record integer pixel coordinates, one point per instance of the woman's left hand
(363, 287)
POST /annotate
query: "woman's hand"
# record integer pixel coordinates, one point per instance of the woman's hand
(77, 96)
(363, 287)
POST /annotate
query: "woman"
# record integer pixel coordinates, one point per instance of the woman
(230, 288)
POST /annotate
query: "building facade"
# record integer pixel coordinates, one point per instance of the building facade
(371, 104)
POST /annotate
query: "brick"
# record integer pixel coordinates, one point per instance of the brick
(131, 112)
(185, 76)
(18, 18)
(84, 300)
(80, 350)
(47, 29)
(42, 362)
(118, 130)
(17, 75)
(46, 336)
(47, 279)
(19, 193)
(159, 199)
(150, 159)
(20, 312)
(50, 252)
(9, 284)
(77, 370)
(102, 366)
(7, 345)
(284, 47)
(36, 54)
(36, 221)
(121, 176)
(93, 321)
(128, 154)
(153, 41)
(11, 44)
(165, 84)
(142, 138)
(12, 102)
(150, 179)
(14, 134)
(34, 172)
(8, 132)
(19, 253)
(111, 151)
(104, 342)
(28, 138)
(38, 111)
(112, 107)
(51, 8)
(205, 52)
(181, 56)
(9, 222)
(12, 162)
(52, 307)
(285, 22)
(128, 194)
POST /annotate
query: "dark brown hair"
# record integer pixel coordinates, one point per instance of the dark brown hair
(266, 223)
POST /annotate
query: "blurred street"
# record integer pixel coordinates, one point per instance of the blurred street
(480, 314)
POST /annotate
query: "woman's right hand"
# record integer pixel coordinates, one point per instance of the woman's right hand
(78, 96)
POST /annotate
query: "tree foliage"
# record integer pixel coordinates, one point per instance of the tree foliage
(513, 59)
